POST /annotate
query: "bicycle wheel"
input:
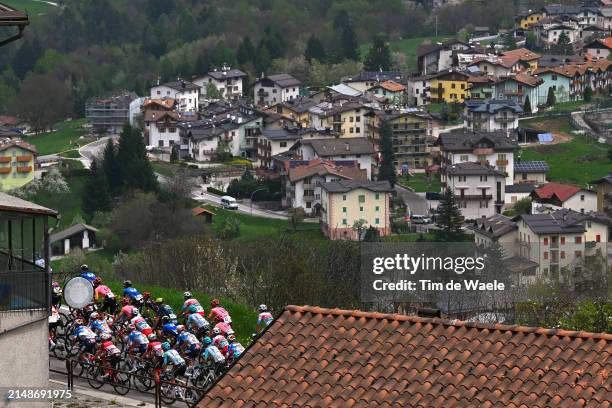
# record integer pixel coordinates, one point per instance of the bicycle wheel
(94, 377)
(59, 350)
(192, 398)
(142, 381)
(121, 383)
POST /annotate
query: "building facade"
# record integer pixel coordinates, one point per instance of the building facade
(272, 89)
(110, 112)
(185, 93)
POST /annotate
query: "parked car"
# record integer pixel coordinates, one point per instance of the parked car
(229, 203)
(420, 219)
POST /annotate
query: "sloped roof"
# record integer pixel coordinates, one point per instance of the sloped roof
(495, 226)
(391, 86)
(318, 167)
(167, 103)
(70, 231)
(337, 147)
(562, 191)
(181, 86)
(509, 58)
(472, 169)
(535, 166)
(523, 78)
(466, 141)
(344, 89)
(492, 106)
(157, 115)
(11, 17)
(344, 186)
(350, 358)
(201, 210)
(16, 204)
(605, 179)
(299, 105)
(18, 143)
(224, 74)
(520, 188)
(283, 80)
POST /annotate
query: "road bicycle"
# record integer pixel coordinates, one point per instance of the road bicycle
(103, 373)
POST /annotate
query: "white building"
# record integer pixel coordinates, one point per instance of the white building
(186, 94)
(162, 129)
(491, 115)
(479, 189)
(419, 90)
(367, 79)
(555, 196)
(227, 81)
(518, 88)
(272, 89)
(438, 57)
(358, 149)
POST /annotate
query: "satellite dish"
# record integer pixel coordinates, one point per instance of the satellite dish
(78, 292)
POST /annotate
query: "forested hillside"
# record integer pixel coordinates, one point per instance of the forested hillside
(88, 47)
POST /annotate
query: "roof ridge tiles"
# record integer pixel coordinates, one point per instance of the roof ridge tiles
(446, 322)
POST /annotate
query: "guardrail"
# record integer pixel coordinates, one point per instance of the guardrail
(164, 391)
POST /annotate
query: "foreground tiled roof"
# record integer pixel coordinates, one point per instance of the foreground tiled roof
(561, 191)
(314, 357)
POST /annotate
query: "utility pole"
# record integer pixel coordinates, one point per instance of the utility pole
(436, 25)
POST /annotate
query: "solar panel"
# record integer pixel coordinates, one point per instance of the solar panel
(545, 137)
(531, 166)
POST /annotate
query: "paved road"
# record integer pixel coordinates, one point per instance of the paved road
(93, 149)
(203, 196)
(415, 202)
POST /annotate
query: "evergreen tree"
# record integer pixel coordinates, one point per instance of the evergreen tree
(530, 41)
(379, 56)
(563, 46)
(348, 40)
(135, 169)
(551, 99)
(203, 63)
(314, 49)
(387, 168)
(26, 57)
(246, 51)
(588, 94)
(96, 193)
(527, 105)
(510, 42)
(449, 218)
(263, 59)
(110, 165)
(174, 154)
(166, 70)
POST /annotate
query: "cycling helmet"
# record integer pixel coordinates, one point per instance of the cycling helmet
(97, 281)
(193, 309)
(125, 301)
(146, 295)
(94, 316)
(84, 268)
(57, 289)
(78, 322)
(187, 295)
(180, 328)
(152, 337)
(207, 340)
(231, 337)
(135, 312)
(159, 301)
(216, 331)
(166, 346)
(262, 308)
(165, 319)
(127, 283)
(230, 332)
(214, 303)
(106, 336)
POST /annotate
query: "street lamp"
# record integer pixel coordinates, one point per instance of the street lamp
(253, 195)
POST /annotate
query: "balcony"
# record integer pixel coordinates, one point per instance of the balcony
(473, 197)
(512, 92)
(501, 162)
(25, 158)
(502, 119)
(482, 151)
(24, 169)
(309, 199)
(309, 186)
(5, 159)
(5, 170)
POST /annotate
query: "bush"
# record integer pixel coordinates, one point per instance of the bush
(230, 229)
(215, 191)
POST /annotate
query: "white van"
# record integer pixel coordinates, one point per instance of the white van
(229, 203)
(420, 219)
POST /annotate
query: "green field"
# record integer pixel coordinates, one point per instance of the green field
(420, 183)
(407, 46)
(32, 7)
(64, 137)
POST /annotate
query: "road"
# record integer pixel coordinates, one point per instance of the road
(92, 150)
(416, 203)
(203, 196)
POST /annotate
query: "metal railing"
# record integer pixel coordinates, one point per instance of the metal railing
(23, 290)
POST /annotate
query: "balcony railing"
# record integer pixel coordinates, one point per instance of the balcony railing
(309, 199)
(5, 159)
(23, 290)
(473, 197)
(24, 169)
(507, 119)
(5, 170)
(502, 162)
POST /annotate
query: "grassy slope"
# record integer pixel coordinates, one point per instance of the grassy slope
(32, 7)
(65, 137)
(406, 46)
(420, 183)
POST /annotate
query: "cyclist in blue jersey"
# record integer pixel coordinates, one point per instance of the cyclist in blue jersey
(197, 323)
(188, 343)
(172, 358)
(132, 294)
(138, 341)
(87, 274)
(235, 349)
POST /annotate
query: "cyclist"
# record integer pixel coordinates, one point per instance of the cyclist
(87, 274)
(224, 328)
(264, 318)
(86, 338)
(196, 323)
(190, 300)
(154, 353)
(142, 326)
(104, 295)
(188, 343)
(56, 295)
(220, 341)
(132, 294)
(172, 357)
(54, 322)
(99, 324)
(212, 355)
(235, 349)
(218, 313)
(163, 310)
(127, 311)
(169, 330)
(138, 341)
(109, 351)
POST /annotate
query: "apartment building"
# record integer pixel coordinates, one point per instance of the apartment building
(345, 118)
(555, 196)
(519, 88)
(494, 149)
(109, 112)
(478, 188)
(346, 201)
(272, 89)
(491, 115)
(556, 79)
(436, 57)
(449, 86)
(185, 93)
(16, 164)
(162, 128)
(296, 109)
(226, 80)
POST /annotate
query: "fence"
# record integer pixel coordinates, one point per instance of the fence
(22, 290)
(163, 391)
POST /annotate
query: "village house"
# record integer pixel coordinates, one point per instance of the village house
(419, 90)
(517, 192)
(591, 32)
(491, 115)
(532, 172)
(345, 202)
(296, 109)
(494, 66)
(16, 164)
(345, 118)
(359, 149)
(161, 129)
(519, 88)
(520, 59)
(554, 196)
(604, 193)
(393, 93)
(161, 104)
(272, 142)
(528, 19)
(554, 61)
(185, 93)
(495, 229)
(80, 236)
(481, 86)
(367, 79)
(556, 78)
(433, 58)
(272, 89)
(548, 30)
(301, 181)
(449, 86)
(493, 149)
(598, 49)
(335, 93)
(478, 188)
(226, 80)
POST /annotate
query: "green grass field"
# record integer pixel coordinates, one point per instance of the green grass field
(64, 137)
(406, 46)
(421, 183)
(32, 7)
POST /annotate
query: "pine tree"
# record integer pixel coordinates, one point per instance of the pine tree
(166, 70)
(387, 168)
(551, 99)
(135, 169)
(588, 94)
(110, 166)
(262, 59)
(348, 39)
(530, 41)
(563, 46)
(96, 193)
(379, 56)
(527, 105)
(246, 51)
(449, 218)
(314, 49)
(510, 42)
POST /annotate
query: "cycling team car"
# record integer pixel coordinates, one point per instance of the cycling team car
(143, 336)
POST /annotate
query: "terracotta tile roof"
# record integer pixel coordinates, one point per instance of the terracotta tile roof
(392, 86)
(18, 143)
(562, 191)
(167, 103)
(156, 116)
(525, 79)
(320, 167)
(201, 210)
(315, 357)
(510, 58)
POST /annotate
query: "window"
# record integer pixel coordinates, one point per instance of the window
(162, 130)
(351, 130)
(344, 197)
(377, 209)
(351, 119)
(362, 199)
(462, 204)
(581, 197)
(344, 221)
(308, 204)
(357, 130)
(463, 158)
(597, 238)
(562, 240)
(578, 240)
(554, 77)
(283, 144)
(361, 209)
(377, 196)
(462, 86)
(462, 178)
(357, 118)
(377, 221)
(453, 86)
(501, 156)
(160, 143)
(172, 130)
(274, 90)
(546, 255)
(562, 254)
(343, 209)
(578, 254)
(501, 168)
(484, 178)
(545, 240)
(484, 204)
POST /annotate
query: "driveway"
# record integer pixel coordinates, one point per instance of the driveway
(415, 202)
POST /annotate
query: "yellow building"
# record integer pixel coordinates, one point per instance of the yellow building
(346, 118)
(16, 164)
(449, 86)
(604, 193)
(295, 109)
(529, 19)
(345, 202)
